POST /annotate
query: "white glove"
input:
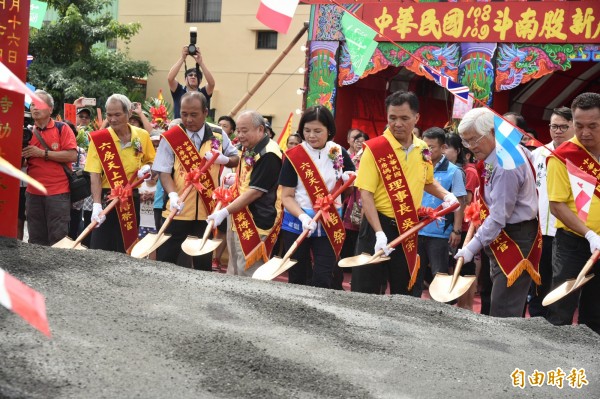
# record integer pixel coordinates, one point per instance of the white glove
(465, 253)
(96, 214)
(381, 243)
(594, 240)
(174, 204)
(143, 170)
(307, 223)
(449, 200)
(219, 216)
(221, 159)
(346, 175)
(229, 179)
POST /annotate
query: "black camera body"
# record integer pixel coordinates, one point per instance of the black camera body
(27, 136)
(192, 46)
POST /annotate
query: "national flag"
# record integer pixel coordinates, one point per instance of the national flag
(29, 60)
(461, 92)
(24, 301)
(9, 81)
(277, 14)
(582, 186)
(285, 133)
(507, 144)
(359, 40)
(28, 98)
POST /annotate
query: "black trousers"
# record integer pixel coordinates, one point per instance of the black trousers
(323, 257)
(373, 279)
(108, 236)
(179, 231)
(569, 253)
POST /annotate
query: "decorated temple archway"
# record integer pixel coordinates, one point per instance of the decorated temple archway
(528, 57)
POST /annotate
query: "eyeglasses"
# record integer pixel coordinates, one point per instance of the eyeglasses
(467, 144)
(192, 75)
(562, 128)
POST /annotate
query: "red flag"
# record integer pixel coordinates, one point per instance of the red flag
(277, 14)
(24, 301)
(285, 133)
(582, 186)
(9, 81)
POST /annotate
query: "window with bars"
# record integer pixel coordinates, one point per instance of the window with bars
(203, 11)
(266, 40)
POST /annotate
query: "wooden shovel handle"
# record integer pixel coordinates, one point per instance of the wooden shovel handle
(587, 267)
(315, 219)
(106, 210)
(211, 223)
(461, 260)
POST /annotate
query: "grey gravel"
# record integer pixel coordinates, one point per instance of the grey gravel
(128, 328)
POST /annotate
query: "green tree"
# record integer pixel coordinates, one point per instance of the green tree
(71, 59)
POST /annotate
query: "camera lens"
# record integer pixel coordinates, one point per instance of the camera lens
(192, 49)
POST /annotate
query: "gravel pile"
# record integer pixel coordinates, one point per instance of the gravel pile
(127, 328)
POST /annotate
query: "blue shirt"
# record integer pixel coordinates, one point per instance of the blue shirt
(451, 178)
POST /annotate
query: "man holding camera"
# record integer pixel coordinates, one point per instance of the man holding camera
(48, 215)
(193, 77)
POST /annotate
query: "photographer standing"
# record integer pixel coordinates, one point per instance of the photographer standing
(193, 77)
(48, 215)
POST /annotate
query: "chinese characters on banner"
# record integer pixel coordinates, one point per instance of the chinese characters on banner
(14, 39)
(519, 22)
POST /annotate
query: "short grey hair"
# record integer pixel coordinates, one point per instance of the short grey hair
(256, 117)
(125, 102)
(47, 98)
(480, 119)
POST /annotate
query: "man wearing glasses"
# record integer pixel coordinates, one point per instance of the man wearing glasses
(510, 232)
(561, 130)
(193, 77)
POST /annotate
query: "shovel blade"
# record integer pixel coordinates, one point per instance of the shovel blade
(149, 243)
(193, 246)
(439, 289)
(68, 243)
(563, 290)
(273, 268)
(361, 260)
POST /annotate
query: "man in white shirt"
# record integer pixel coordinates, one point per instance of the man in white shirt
(561, 130)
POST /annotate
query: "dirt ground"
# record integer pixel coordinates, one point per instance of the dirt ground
(127, 328)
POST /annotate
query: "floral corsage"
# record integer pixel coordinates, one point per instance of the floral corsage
(249, 158)
(426, 154)
(137, 145)
(337, 160)
(487, 172)
(215, 143)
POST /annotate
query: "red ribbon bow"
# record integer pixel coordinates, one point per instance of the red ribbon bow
(193, 177)
(473, 214)
(323, 204)
(426, 212)
(123, 193)
(223, 195)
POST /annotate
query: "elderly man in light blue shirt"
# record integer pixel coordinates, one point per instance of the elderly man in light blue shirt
(513, 208)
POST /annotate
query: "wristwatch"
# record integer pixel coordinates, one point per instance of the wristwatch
(457, 232)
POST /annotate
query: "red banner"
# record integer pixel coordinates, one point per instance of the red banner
(515, 22)
(14, 33)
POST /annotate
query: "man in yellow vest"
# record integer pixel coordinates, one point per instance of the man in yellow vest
(577, 230)
(181, 151)
(256, 211)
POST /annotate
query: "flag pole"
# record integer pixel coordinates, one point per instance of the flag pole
(268, 72)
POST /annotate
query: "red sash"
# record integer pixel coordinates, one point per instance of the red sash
(582, 159)
(115, 174)
(317, 190)
(507, 253)
(252, 246)
(405, 211)
(190, 159)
